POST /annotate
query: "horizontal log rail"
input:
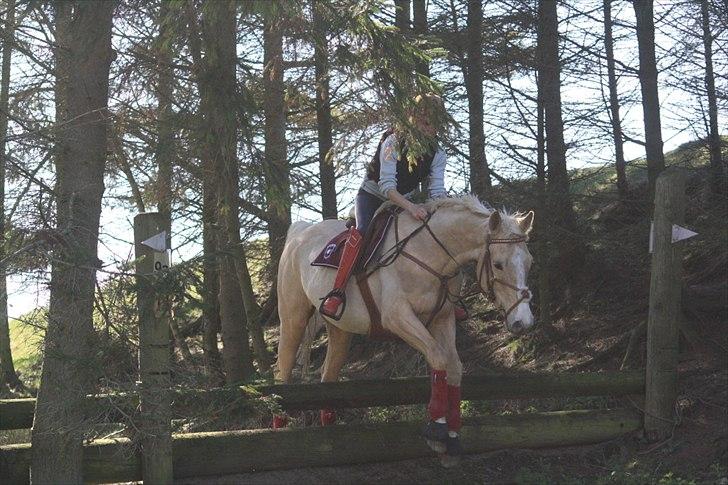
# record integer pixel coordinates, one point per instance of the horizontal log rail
(229, 452)
(18, 413)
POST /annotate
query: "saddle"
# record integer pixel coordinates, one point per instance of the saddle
(330, 256)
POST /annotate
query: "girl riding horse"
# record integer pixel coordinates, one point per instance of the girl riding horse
(390, 176)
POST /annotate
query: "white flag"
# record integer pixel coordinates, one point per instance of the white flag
(157, 242)
(679, 233)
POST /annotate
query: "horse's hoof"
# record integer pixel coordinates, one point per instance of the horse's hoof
(454, 448)
(436, 436)
(437, 446)
(453, 452)
(448, 461)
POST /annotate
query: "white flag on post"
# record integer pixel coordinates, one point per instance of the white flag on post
(679, 233)
(158, 242)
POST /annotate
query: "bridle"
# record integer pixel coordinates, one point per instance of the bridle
(525, 293)
(398, 249)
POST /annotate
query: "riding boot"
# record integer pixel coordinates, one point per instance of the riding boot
(336, 297)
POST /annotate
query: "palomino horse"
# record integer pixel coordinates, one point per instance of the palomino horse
(413, 293)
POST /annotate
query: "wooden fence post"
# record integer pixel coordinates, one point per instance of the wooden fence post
(663, 324)
(151, 241)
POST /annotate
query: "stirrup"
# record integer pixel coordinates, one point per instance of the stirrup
(342, 306)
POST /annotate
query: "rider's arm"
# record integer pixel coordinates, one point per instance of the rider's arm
(388, 178)
(437, 175)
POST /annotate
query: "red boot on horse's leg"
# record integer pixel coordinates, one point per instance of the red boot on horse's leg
(435, 431)
(453, 447)
(279, 421)
(454, 421)
(336, 297)
(328, 417)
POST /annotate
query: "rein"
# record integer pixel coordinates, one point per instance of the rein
(399, 249)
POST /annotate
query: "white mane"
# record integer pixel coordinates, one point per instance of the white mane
(471, 203)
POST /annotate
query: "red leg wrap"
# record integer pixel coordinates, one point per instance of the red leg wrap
(453, 408)
(438, 396)
(328, 417)
(279, 421)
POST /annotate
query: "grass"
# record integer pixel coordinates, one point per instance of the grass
(26, 339)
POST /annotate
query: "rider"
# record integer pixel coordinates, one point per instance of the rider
(391, 176)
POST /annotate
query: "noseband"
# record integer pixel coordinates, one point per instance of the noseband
(525, 293)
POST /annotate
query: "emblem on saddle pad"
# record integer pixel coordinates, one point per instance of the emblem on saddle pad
(329, 250)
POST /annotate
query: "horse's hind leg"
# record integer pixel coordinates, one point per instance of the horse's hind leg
(336, 354)
(294, 310)
(294, 317)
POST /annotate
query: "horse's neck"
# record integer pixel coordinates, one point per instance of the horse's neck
(460, 232)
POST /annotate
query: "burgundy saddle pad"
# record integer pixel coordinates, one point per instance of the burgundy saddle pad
(330, 255)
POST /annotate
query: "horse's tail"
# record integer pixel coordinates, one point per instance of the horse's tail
(304, 351)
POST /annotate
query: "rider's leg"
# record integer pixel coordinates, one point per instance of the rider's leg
(365, 206)
(336, 353)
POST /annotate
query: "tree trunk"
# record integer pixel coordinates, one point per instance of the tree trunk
(402, 15)
(210, 280)
(549, 67)
(276, 169)
(650, 98)
(419, 23)
(717, 175)
(542, 220)
(217, 87)
(8, 376)
(323, 113)
(83, 34)
(480, 181)
(622, 186)
(564, 251)
(165, 150)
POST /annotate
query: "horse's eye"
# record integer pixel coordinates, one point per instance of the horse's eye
(498, 266)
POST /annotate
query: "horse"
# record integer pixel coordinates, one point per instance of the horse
(414, 292)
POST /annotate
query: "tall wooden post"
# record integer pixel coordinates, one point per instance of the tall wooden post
(154, 356)
(663, 325)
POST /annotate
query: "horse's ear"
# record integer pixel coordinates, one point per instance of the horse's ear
(494, 221)
(526, 222)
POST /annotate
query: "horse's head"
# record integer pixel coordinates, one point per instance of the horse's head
(504, 265)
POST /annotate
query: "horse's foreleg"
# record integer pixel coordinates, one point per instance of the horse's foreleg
(336, 354)
(444, 332)
(407, 326)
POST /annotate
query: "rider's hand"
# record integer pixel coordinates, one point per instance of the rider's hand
(418, 212)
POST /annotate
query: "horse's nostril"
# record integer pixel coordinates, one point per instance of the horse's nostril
(517, 326)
